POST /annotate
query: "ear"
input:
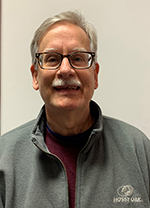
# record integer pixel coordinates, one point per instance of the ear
(34, 73)
(96, 71)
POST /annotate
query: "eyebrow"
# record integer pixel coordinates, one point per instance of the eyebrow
(79, 49)
(49, 49)
(74, 49)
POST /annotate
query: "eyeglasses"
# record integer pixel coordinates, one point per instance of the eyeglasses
(53, 60)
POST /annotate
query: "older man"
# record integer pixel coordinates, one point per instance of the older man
(80, 158)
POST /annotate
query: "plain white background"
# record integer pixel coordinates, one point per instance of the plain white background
(124, 55)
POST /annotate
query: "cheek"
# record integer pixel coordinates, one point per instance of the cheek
(45, 79)
(91, 81)
(89, 86)
(88, 81)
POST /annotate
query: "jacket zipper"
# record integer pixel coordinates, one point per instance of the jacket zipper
(76, 196)
(50, 154)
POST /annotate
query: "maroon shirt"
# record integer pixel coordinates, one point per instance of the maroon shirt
(67, 148)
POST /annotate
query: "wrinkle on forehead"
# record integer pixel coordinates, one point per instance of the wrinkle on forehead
(66, 32)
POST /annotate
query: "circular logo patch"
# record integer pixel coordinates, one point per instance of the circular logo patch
(125, 190)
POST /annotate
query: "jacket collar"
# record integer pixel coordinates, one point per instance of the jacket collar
(38, 133)
(97, 115)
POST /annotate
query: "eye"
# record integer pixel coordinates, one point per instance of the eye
(79, 59)
(51, 59)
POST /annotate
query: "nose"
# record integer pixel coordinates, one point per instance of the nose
(65, 69)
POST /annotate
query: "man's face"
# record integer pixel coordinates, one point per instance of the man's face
(65, 38)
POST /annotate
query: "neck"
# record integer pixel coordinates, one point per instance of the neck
(70, 122)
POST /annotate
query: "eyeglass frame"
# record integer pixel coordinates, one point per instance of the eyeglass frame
(37, 55)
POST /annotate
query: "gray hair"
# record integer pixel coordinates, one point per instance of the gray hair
(73, 17)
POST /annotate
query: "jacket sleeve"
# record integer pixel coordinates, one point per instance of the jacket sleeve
(1, 203)
(143, 154)
(2, 190)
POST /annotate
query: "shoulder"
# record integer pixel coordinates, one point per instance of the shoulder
(125, 136)
(21, 134)
(117, 132)
(25, 128)
(120, 127)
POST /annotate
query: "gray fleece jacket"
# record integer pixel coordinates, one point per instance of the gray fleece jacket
(113, 169)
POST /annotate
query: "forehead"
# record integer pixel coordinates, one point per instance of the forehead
(64, 35)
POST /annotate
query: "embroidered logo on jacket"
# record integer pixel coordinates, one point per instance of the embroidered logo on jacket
(127, 194)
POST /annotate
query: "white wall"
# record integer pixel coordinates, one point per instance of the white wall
(124, 55)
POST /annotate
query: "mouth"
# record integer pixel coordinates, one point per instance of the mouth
(66, 86)
(59, 88)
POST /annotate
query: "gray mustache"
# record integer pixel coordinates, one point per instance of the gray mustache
(64, 82)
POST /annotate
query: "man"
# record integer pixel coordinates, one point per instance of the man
(71, 155)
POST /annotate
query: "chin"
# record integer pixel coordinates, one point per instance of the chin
(68, 107)
(73, 105)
